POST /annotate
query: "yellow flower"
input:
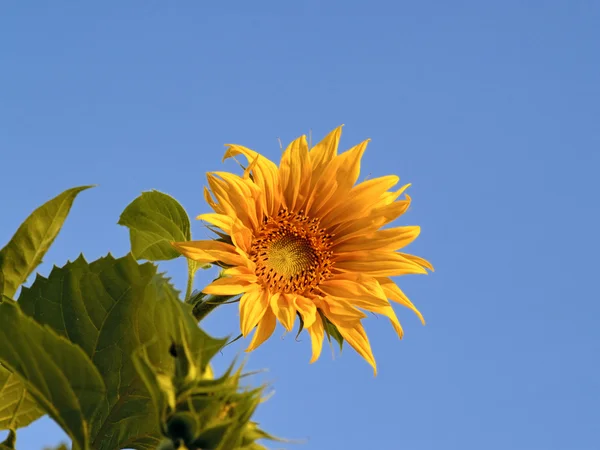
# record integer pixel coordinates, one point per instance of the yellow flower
(304, 240)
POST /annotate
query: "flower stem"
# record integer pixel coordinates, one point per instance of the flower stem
(190, 283)
(203, 306)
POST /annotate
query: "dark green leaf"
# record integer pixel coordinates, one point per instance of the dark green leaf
(24, 252)
(154, 220)
(111, 308)
(57, 373)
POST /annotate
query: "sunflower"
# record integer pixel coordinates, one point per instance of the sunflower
(302, 240)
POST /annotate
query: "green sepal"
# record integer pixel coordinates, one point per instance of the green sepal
(300, 326)
(332, 331)
(10, 441)
(182, 426)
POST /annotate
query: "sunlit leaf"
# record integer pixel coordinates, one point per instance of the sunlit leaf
(24, 252)
(58, 374)
(110, 308)
(155, 220)
(17, 407)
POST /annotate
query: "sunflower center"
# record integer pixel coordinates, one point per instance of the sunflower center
(292, 253)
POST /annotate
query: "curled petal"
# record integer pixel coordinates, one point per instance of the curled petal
(264, 173)
(264, 330)
(340, 311)
(354, 292)
(394, 293)
(358, 340)
(307, 310)
(283, 308)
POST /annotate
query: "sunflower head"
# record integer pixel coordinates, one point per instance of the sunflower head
(304, 240)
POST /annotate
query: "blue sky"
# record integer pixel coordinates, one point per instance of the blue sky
(490, 109)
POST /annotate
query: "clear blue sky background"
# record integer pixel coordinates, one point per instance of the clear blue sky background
(490, 109)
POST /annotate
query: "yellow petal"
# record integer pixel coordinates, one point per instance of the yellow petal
(340, 311)
(389, 312)
(236, 196)
(420, 261)
(295, 173)
(240, 270)
(394, 293)
(390, 197)
(210, 251)
(283, 308)
(232, 285)
(209, 199)
(357, 293)
(379, 264)
(346, 168)
(388, 239)
(377, 218)
(264, 330)
(241, 236)
(316, 333)
(222, 221)
(324, 151)
(358, 340)
(307, 310)
(264, 173)
(252, 309)
(360, 200)
(322, 183)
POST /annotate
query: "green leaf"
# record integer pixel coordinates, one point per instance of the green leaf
(154, 220)
(58, 374)
(17, 407)
(110, 308)
(24, 252)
